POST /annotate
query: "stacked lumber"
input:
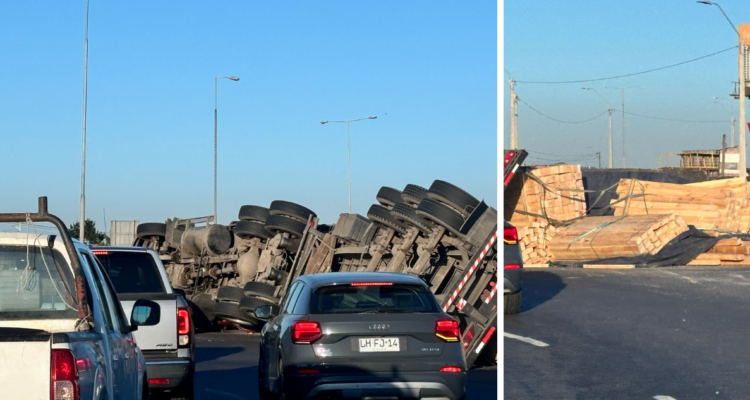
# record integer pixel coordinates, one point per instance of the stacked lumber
(595, 238)
(732, 251)
(559, 196)
(739, 187)
(534, 240)
(710, 206)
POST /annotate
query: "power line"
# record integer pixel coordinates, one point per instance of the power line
(560, 155)
(559, 120)
(634, 73)
(674, 119)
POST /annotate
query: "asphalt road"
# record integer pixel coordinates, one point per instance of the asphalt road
(669, 333)
(227, 369)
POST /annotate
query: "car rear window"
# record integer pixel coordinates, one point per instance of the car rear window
(35, 283)
(346, 299)
(131, 272)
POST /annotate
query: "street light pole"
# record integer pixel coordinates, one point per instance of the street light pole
(609, 110)
(731, 114)
(623, 118)
(82, 224)
(349, 152)
(741, 71)
(216, 135)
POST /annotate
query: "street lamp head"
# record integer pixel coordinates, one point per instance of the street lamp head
(233, 78)
(705, 2)
(586, 88)
(323, 122)
(372, 117)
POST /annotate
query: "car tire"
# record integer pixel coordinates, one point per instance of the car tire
(453, 196)
(231, 312)
(202, 307)
(388, 197)
(260, 289)
(437, 213)
(291, 210)
(253, 213)
(283, 224)
(230, 293)
(413, 194)
(149, 229)
(382, 216)
(406, 215)
(512, 302)
(251, 229)
(263, 391)
(249, 304)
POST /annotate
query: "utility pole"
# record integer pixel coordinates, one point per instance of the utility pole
(743, 125)
(623, 118)
(513, 115)
(609, 110)
(82, 224)
(599, 156)
(733, 122)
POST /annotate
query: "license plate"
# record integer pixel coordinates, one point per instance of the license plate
(371, 345)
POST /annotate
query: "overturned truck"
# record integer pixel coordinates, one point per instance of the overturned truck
(441, 234)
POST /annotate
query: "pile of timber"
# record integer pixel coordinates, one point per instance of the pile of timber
(732, 251)
(596, 238)
(534, 242)
(559, 196)
(708, 205)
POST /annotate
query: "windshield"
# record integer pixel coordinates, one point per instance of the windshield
(35, 284)
(372, 299)
(131, 271)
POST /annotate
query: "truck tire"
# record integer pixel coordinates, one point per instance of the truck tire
(413, 194)
(453, 196)
(260, 289)
(149, 229)
(248, 229)
(388, 197)
(231, 312)
(512, 302)
(282, 224)
(249, 304)
(438, 213)
(291, 210)
(253, 213)
(382, 216)
(202, 307)
(230, 293)
(406, 215)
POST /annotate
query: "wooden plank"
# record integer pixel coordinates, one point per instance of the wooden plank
(608, 266)
(705, 262)
(720, 256)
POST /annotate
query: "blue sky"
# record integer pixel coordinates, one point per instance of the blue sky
(571, 40)
(430, 65)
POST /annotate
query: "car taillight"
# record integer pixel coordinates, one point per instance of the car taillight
(63, 376)
(510, 235)
(158, 381)
(450, 369)
(183, 327)
(372, 284)
(512, 266)
(306, 332)
(447, 330)
(100, 252)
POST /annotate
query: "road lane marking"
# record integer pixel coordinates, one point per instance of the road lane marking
(691, 280)
(225, 394)
(664, 398)
(525, 339)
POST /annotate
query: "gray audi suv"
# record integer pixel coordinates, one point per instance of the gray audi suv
(360, 335)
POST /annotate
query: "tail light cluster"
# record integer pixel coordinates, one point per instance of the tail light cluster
(63, 376)
(510, 235)
(447, 330)
(183, 327)
(306, 332)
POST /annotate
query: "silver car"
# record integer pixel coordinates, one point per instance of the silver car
(360, 335)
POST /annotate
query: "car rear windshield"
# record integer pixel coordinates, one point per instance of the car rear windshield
(131, 271)
(346, 299)
(35, 283)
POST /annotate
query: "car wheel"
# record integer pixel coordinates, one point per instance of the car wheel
(438, 213)
(230, 293)
(281, 393)
(263, 391)
(513, 302)
(253, 213)
(388, 197)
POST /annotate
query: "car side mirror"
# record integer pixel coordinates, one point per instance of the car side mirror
(266, 312)
(145, 313)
